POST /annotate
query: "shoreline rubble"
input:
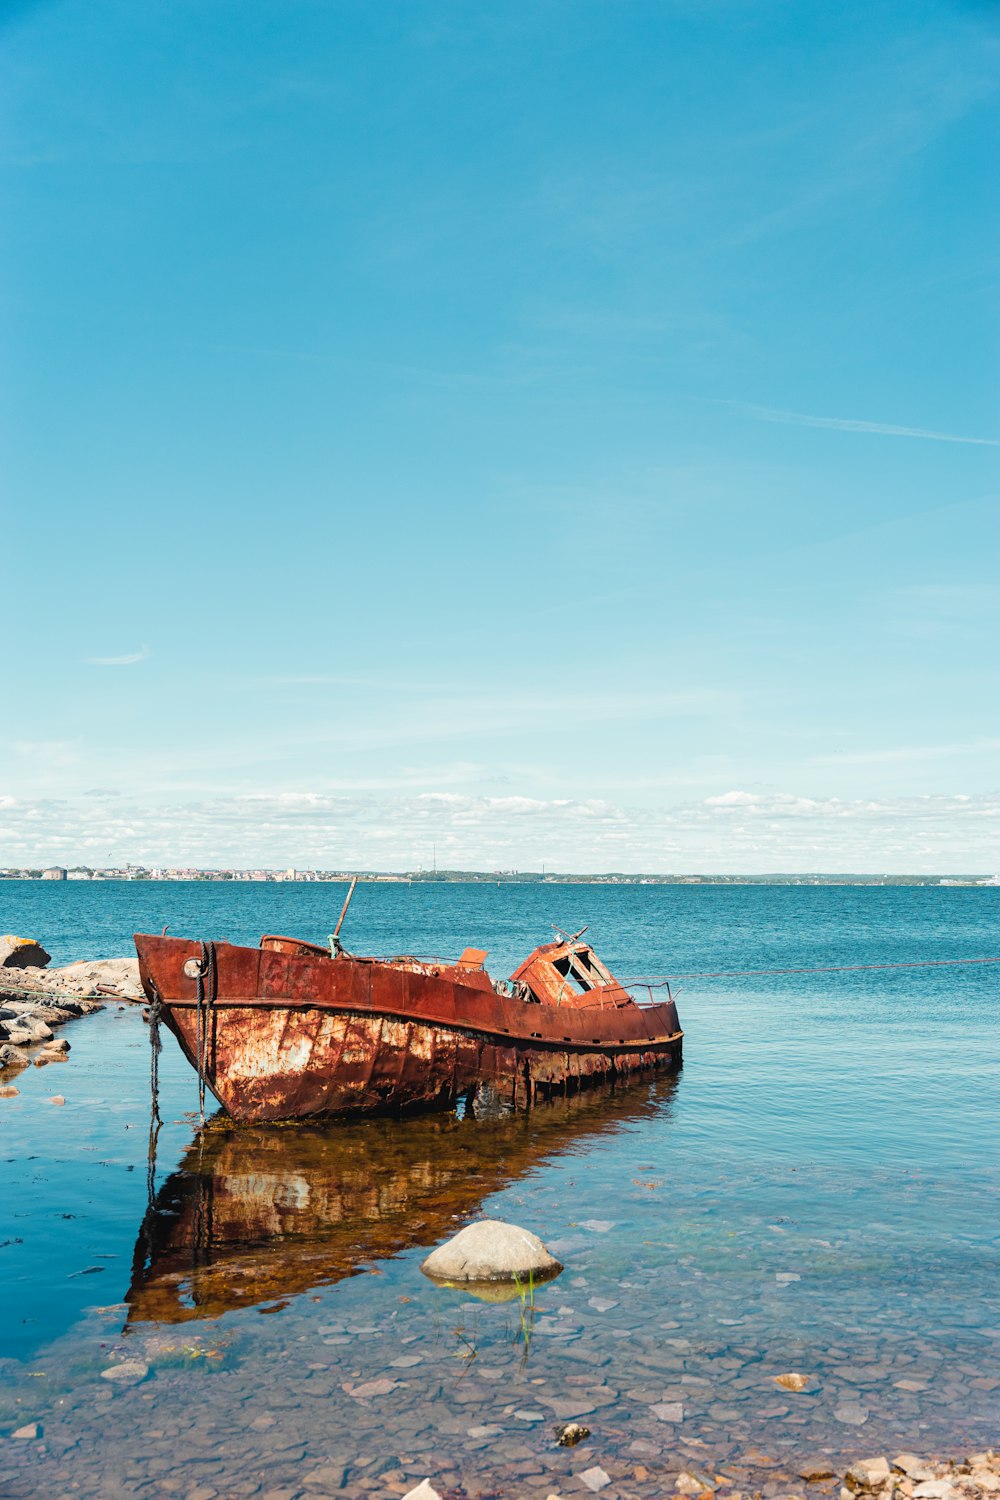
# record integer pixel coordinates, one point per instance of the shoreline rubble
(35, 1000)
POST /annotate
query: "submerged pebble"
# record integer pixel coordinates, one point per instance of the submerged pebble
(596, 1478)
(128, 1372)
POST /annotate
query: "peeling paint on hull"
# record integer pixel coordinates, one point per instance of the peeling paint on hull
(291, 1035)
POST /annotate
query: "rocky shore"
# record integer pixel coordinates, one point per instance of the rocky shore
(906, 1476)
(35, 1000)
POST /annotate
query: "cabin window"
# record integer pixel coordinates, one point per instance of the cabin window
(574, 974)
(591, 965)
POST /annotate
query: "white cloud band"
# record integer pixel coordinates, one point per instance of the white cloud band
(735, 831)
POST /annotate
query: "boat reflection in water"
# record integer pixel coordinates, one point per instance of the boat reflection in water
(260, 1214)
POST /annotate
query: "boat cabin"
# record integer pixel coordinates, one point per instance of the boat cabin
(569, 973)
(565, 973)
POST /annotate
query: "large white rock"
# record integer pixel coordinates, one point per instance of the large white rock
(490, 1250)
(118, 974)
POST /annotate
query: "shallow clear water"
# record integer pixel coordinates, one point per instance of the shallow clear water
(815, 1192)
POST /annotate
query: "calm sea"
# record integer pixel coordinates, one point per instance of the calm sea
(816, 1192)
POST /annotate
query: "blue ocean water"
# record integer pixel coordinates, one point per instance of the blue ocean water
(817, 1190)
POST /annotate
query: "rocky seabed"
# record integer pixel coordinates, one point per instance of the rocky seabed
(447, 1395)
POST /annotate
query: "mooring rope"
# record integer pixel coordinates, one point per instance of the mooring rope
(55, 996)
(657, 981)
(204, 1002)
(155, 1047)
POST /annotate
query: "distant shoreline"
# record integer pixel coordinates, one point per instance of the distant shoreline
(481, 877)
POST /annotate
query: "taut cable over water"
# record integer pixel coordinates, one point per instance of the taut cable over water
(659, 981)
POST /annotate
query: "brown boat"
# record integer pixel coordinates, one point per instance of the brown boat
(292, 1028)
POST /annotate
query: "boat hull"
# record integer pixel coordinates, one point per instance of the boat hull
(288, 1035)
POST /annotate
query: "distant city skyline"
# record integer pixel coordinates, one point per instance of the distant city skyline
(562, 435)
(423, 875)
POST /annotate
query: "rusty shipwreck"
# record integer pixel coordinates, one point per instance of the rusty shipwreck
(293, 1029)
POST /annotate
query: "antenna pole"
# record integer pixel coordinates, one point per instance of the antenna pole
(335, 934)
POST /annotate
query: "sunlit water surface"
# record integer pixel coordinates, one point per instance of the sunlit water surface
(816, 1192)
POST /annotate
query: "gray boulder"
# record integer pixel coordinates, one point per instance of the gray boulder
(490, 1250)
(12, 1057)
(37, 1030)
(21, 953)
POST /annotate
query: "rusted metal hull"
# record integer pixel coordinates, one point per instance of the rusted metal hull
(293, 1034)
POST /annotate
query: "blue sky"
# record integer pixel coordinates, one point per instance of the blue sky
(562, 432)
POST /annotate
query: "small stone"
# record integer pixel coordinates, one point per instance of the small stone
(424, 1491)
(201, 1492)
(571, 1433)
(407, 1361)
(9, 1091)
(912, 1386)
(595, 1479)
(490, 1250)
(602, 1304)
(815, 1470)
(598, 1226)
(524, 1414)
(793, 1381)
(868, 1473)
(851, 1413)
(913, 1467)
(487, 1431)
(30, 1432)
(668, 1411)
(935, 1489)
(326, 1477)
(57, 1099)
(369, 1388)
(57, 1044)
(129, 1372)
(783, 1277)
(686, 1484)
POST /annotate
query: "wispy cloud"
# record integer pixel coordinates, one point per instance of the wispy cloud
(852, 424)
(734, 830)
(129, 660)
(909, 753)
